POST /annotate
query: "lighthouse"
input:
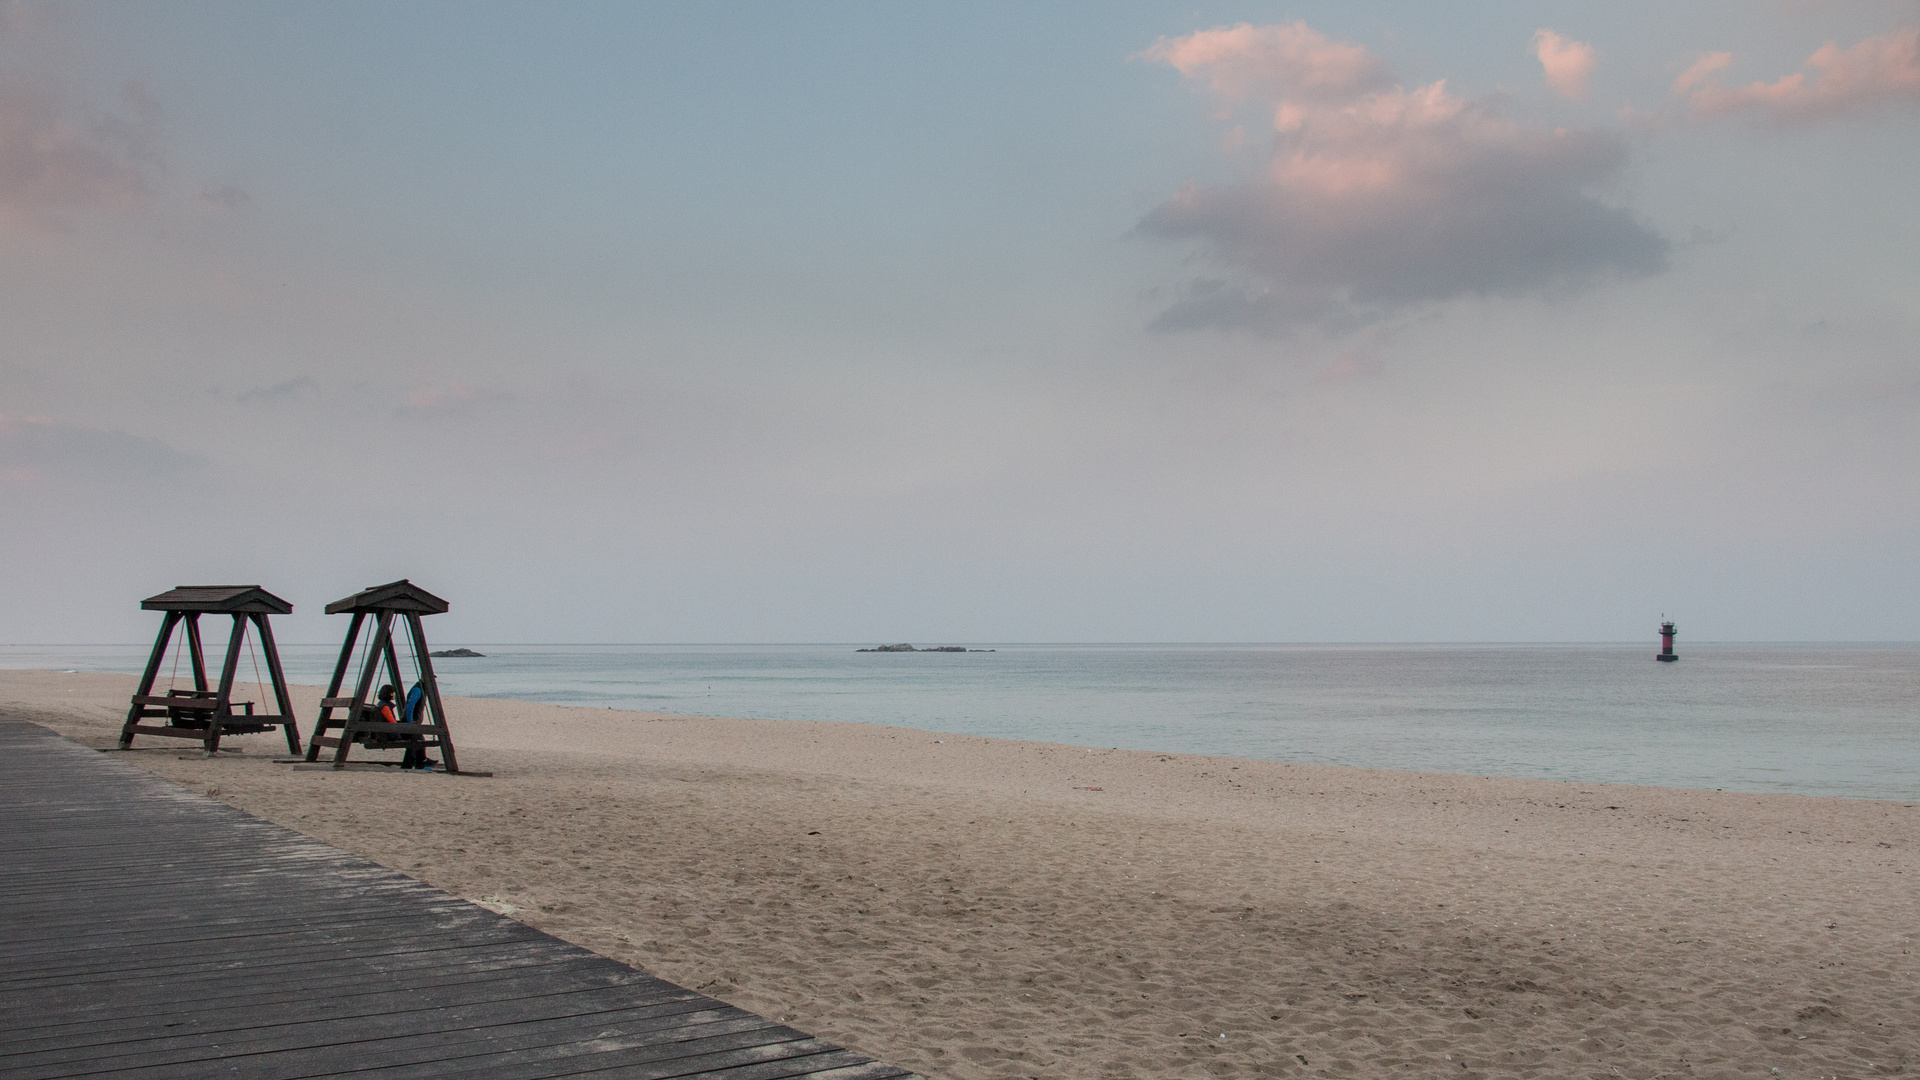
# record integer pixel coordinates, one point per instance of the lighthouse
(1666, 642)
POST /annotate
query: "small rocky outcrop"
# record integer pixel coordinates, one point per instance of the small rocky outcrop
(456, 652)
(904, 647)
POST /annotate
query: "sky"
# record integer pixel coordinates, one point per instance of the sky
(845, 322)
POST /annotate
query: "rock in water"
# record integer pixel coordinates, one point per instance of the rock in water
(904, 647)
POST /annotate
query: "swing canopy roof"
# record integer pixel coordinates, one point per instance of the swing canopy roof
(400, 595)
(225, 599)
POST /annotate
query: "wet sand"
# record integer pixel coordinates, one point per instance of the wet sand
(976, 908)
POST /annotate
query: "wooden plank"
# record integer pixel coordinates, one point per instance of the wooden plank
(866, 1070)
(213, 1016)
(237, 724)
(157, 931)
(413, 1026)
(548, 1051)
(197, 734)
(692, 1057)
(258, 961)
(147, 931)
(83, 1005)
(239, 940)
(42, 951)
(238, 958)
(382, 727)
(276, 1002)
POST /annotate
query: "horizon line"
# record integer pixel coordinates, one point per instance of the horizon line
(1024, 644)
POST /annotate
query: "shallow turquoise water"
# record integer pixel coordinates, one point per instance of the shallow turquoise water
(1808, 719)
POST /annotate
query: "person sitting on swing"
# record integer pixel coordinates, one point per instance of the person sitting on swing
(385, 711)
(388, 712)
(416, 755)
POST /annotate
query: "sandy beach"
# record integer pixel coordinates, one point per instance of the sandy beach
(975, 908)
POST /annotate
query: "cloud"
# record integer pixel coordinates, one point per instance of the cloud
(1351, 366)
(1876, 73)
(1293, 62)
(1700, 70)
(53, 162)
(226, 197)
(1378, 198)
(297, 387)
(36, 449)
(1567, 63)
(450, 399)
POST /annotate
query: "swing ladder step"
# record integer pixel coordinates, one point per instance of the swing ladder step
(227, 719)
(239, 723)
(385, 729)
(180, 701)
(196, 733)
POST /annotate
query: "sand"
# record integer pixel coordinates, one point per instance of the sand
(975, 908)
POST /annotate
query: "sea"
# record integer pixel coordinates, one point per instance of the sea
(1807, 719)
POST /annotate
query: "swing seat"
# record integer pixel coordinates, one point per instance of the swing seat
(193, 711)
(389, 737)
(384, 739)
(192, 708)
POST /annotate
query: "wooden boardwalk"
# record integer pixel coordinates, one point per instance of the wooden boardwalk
(146, 932)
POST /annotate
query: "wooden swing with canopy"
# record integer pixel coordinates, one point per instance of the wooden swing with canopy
(206, 713)
(422, 721)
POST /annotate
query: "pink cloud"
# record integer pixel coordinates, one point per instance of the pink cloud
(52, 162)
(1377, 197)
(1350, 366)
(1286, 62)
(1877, 72)
(1567, 63)
(1701, 69)
(40, 449)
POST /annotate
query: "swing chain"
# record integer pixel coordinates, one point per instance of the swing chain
(259, 684)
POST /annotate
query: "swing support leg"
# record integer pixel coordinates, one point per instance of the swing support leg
(325, 721)
(194, 650)
(382, 645)
(281, 699)
(147, 679)
(432, 684)
(227, 671)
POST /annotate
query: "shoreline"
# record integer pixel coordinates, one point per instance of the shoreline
(1752, 721)
(972, 907)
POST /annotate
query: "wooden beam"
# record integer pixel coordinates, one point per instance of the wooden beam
(199, 654)
(332, 701)
(376, 650)
(135, 713)
(281, 695)
(438, 711)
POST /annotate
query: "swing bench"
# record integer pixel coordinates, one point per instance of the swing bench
(202, 713)
(422, 723)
